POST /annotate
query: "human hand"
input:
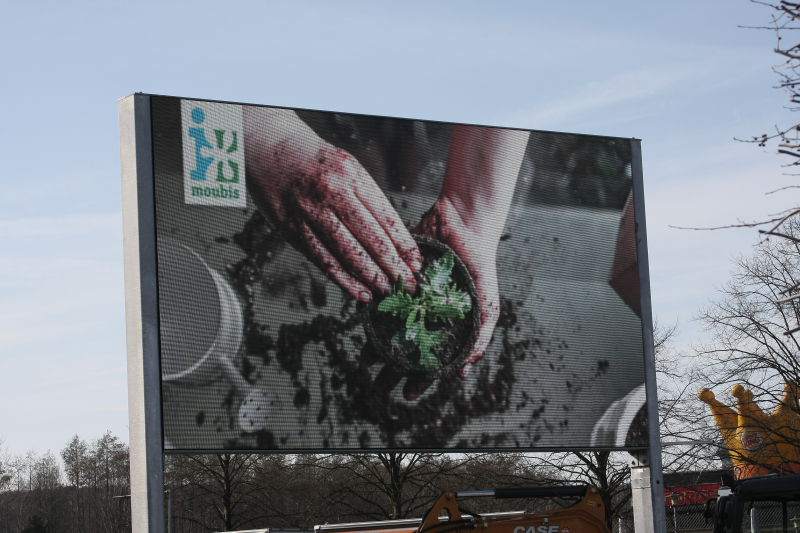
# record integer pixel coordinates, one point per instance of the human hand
(471, 212)
(478, 252)
(326, 205)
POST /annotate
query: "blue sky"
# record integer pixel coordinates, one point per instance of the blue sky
(680, 75)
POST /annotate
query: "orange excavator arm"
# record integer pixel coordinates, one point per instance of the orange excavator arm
(587, 515)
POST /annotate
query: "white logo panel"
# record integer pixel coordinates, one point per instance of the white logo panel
(213, 154)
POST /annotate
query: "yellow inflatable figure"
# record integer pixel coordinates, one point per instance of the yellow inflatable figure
(759, 443)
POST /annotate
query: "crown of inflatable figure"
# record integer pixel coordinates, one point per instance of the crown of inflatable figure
(759, 443)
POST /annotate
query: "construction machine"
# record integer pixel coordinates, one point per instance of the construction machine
(762, 495)
(449, 514)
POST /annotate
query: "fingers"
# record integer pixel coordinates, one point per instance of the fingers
(352, 255)
(344, 222)
(372, 235)
(382, 211)
(489, 319)
(484, 274)
(320, 255)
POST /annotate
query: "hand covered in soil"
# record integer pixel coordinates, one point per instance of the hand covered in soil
(470, 213)
(326, 205)
(444, 223)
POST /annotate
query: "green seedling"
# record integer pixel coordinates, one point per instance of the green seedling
(439, 300)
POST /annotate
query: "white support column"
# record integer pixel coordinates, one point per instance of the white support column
(641, 494)
(141, 315)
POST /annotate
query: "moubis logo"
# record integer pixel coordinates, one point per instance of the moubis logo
(213, 154)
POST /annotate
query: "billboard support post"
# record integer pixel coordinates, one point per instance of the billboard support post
(641, 499)
(646, 473)
(141, 315)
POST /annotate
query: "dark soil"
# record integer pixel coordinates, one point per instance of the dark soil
(350, 393)
(381, 327)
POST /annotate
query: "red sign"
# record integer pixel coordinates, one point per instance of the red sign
(692, 494)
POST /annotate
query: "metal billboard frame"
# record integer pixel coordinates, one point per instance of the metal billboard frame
(646, 470)
(143, 350)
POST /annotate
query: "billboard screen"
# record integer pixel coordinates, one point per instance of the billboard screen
(329, 281)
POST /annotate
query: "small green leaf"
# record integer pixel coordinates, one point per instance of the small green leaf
(394, 303)
(427, 340)
(427, 362)
(438, 274)
(412, 325)
(453, 305)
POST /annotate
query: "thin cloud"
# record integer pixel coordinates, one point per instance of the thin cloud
(625, 87)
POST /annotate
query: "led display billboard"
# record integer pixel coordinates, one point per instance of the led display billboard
(330, 281)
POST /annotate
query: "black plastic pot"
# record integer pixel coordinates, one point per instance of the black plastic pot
(380, 327)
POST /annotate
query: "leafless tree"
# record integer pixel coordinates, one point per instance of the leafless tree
(752, 327)
(400, 485)
(748, 323)
(785, 18)
(213, 491)
(387, 485)
(786, 138)
(97, 474)
(5, 458)
(32, 499)
(76, 458)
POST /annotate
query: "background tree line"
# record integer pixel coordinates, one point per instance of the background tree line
(40, 493)
(84, 490)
